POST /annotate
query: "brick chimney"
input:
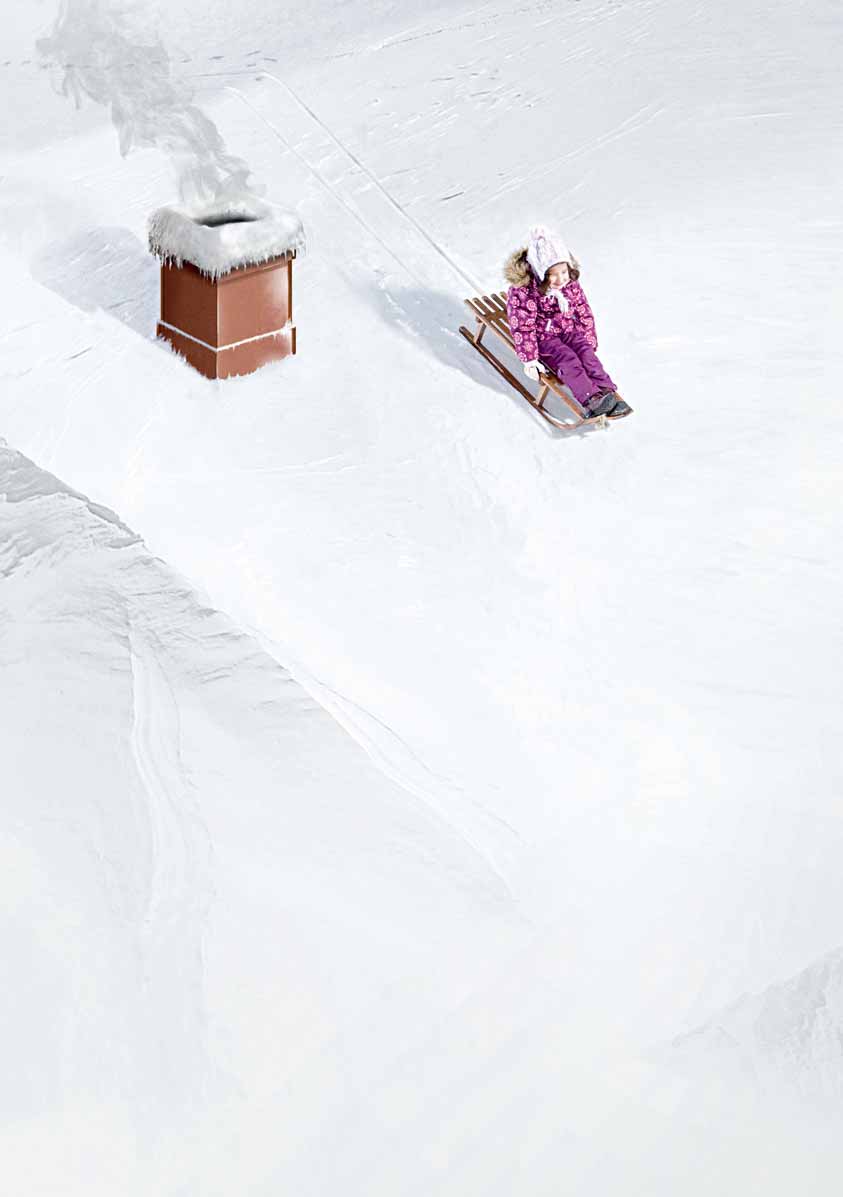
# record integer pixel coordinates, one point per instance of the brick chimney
(227, 283)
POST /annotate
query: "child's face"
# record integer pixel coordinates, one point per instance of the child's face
(559, 275)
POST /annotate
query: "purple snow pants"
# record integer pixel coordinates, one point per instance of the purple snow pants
(572, 359)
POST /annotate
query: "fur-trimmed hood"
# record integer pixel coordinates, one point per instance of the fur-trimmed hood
(516, 269)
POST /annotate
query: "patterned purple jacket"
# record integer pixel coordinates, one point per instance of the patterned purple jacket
(532, 315)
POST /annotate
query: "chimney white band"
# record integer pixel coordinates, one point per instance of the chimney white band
(232, 344)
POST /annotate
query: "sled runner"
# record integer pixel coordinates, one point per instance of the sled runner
(490, 312)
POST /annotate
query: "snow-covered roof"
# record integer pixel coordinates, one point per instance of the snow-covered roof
(217, 236)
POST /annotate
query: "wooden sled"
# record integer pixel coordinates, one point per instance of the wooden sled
(489, 311)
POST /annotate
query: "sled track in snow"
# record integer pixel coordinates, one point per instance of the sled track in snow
(360, 167)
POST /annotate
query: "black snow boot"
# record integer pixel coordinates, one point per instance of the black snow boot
(621, 408)
(600, 405)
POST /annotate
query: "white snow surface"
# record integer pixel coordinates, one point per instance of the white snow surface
(398, 796)
(219, 236)
(792, 1032)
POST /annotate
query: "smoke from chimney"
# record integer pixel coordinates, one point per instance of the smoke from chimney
(100, 52)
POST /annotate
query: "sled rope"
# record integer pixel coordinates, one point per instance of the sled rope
(377, 183)
(332, 191)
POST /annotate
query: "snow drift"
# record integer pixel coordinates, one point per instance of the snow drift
(194, 851)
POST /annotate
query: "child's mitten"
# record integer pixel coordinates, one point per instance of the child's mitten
(533, 369)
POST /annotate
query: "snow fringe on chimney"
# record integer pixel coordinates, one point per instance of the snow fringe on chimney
(222, 234)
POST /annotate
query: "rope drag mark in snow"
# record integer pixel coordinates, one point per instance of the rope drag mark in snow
(477, 289)
(332, 191)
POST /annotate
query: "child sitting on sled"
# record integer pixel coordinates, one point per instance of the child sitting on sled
(552, 325)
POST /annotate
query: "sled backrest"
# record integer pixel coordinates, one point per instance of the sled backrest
(491, 309)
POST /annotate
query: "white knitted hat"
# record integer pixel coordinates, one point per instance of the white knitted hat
(545, 249)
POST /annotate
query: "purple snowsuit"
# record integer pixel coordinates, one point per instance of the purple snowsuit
(565, 343)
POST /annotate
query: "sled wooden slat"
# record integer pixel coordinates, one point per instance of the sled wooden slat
(502, 329)
(484, 308)
(478, 307)
(490, 312)
(489, 305)
(505, 335)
